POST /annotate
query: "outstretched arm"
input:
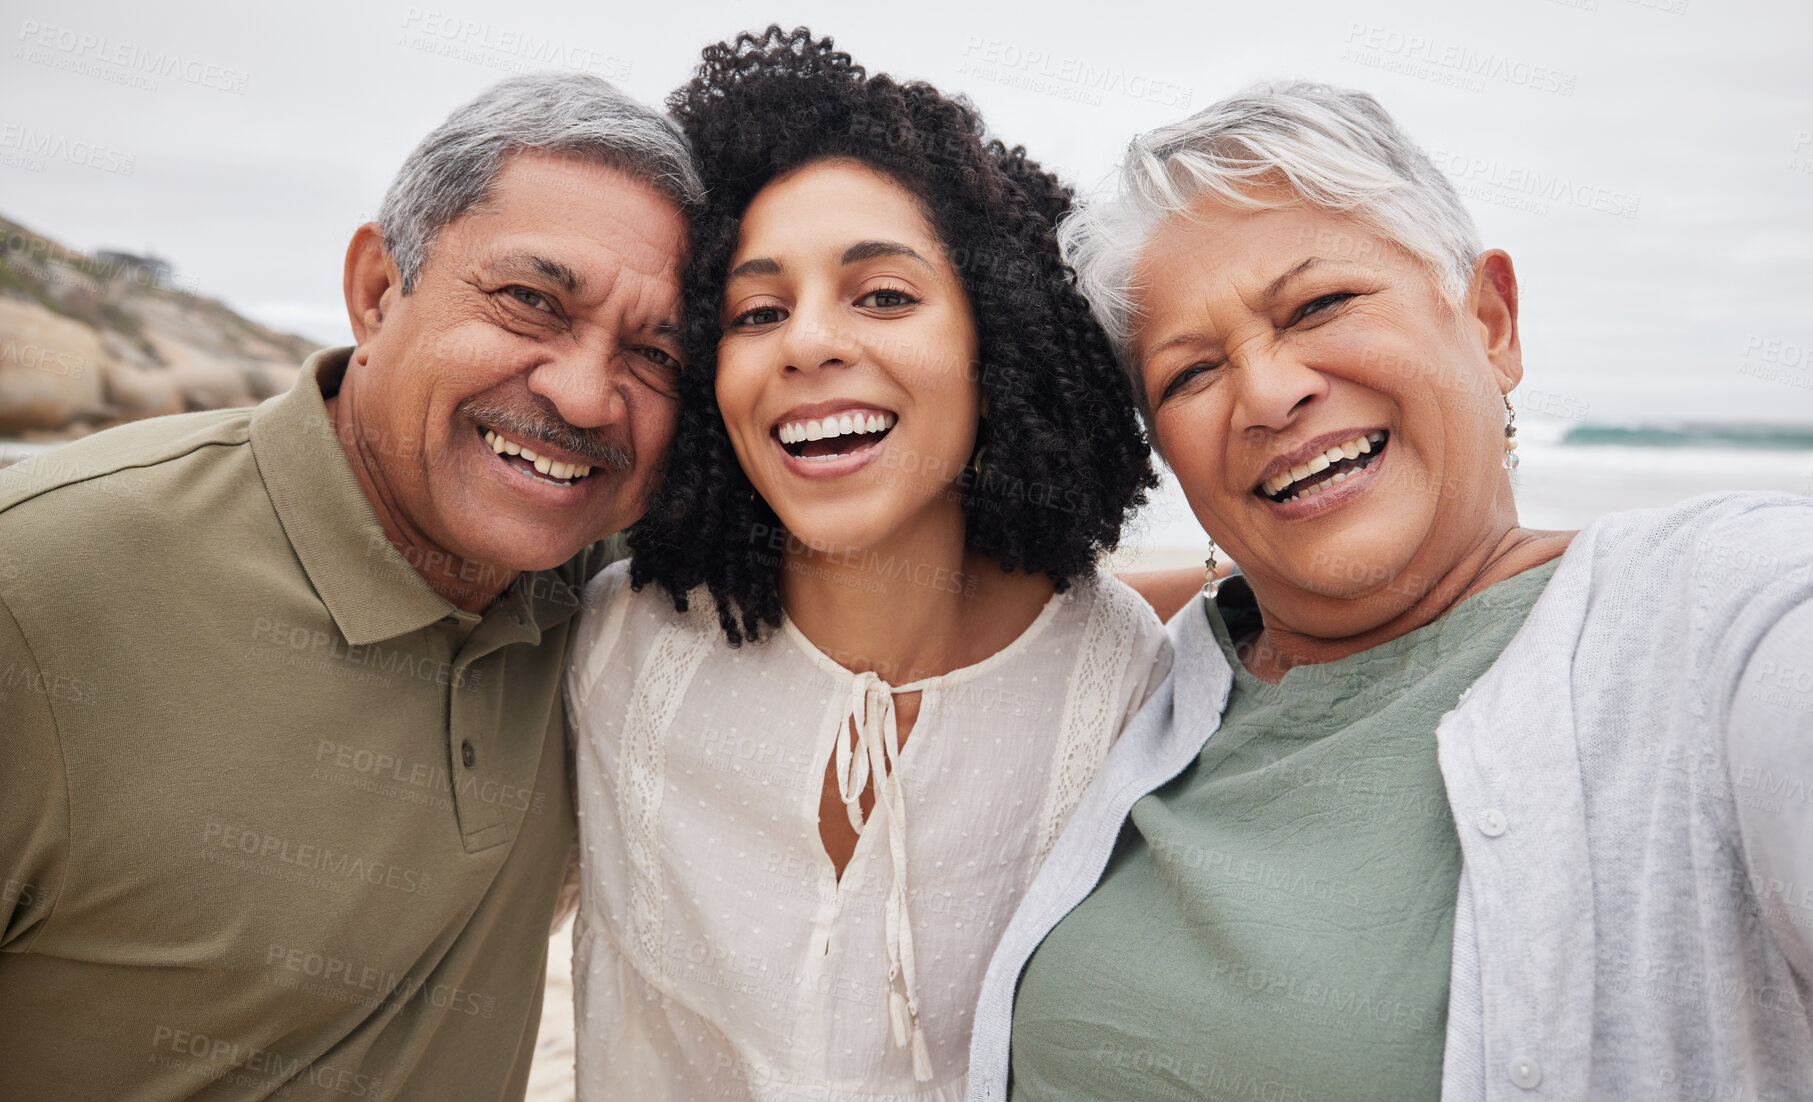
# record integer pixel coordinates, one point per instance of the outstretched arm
(1169, 590)
(1770, 740)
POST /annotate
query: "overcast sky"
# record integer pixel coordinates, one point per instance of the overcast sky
(1648, 163)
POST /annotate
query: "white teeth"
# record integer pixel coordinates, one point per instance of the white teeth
(829, 428)
(1352, 449)
(563, 472)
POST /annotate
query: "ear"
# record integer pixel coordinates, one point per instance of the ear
(372, 282)
(1492, 308)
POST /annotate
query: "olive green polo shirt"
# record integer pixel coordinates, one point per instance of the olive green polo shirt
(274, 816)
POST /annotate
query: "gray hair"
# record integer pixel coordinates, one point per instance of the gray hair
(1334, 148)
(578, 114)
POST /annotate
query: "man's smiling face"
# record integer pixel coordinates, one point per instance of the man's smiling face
(517, 404)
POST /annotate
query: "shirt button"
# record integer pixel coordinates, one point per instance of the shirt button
(466, 753)
(1526, 1072)
(1491, 822)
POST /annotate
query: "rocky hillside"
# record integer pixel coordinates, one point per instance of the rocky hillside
(87, 342)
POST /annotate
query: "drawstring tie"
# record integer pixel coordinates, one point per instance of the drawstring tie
(877, 754)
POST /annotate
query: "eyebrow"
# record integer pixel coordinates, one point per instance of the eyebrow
(855, 254)
(1181, 338)
(1271, 289)
(761, 265)
(871, 250)
(1277, 284)
(529, 265)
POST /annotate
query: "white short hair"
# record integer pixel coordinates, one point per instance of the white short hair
(1334, 148)
(577, 114)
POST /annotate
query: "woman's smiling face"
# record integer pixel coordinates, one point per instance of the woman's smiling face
(846, 370)
(1336, 426)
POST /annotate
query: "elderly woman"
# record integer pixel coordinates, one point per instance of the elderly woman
(1432, 804)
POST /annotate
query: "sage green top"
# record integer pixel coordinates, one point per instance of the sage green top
(273, 814)
(1277, 921)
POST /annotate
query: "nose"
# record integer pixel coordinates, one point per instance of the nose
(1272, 389)
(585, 383)
(815, 337)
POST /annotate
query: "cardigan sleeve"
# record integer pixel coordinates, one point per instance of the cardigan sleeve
(1769, 736)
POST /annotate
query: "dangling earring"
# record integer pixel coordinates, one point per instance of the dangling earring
(975, 459)
(1211, 585)
(1510, 436)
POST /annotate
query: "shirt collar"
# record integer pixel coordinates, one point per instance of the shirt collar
(368, 587)
(1201, 675)
(370, 590)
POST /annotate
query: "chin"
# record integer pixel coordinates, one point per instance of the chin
(527, 547)
(1360, 573)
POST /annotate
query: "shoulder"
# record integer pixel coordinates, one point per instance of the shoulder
(610, 590)
(1115, 630)
(1744, 538)
(1682, 597)
(618, 625)
(107, 456)
(1108, 604)
(1711, 559)
(125, 496)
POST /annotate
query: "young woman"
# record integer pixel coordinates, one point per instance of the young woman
(837, 710)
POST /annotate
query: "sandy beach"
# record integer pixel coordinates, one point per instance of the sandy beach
(551, 1079)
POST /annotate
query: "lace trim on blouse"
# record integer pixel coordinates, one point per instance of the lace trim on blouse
(660, 687)
(1089, 727)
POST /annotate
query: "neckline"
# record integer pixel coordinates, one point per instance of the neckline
(1355, 665)
(953, 677)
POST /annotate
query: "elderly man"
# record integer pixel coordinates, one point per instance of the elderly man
(284, 799)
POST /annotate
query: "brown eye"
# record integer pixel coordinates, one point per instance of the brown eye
(761, 315)
(1183, 379)
(534, 300)
(887, 298)
(1320, 305)
(658, 369)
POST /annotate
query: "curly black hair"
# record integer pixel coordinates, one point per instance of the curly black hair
(1066, 462)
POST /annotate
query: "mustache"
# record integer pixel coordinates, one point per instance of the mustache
(537, 420)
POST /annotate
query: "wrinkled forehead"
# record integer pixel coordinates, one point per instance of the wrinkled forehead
(1216, 255)
(589, 231)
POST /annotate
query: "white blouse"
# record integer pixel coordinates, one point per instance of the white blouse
(716, 952)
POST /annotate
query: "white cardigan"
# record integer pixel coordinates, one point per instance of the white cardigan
(1632, 781)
